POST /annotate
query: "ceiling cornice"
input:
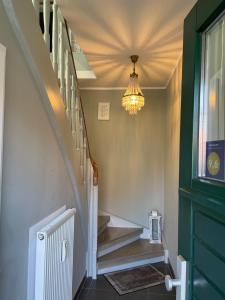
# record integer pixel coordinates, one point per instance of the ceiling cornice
(119, 88)
(174, 69)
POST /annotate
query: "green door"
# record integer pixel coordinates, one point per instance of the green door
(202, 151)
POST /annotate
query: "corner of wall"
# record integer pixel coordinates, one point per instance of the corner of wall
(171, 171)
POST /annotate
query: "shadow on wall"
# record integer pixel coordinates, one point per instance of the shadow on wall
(156, 35)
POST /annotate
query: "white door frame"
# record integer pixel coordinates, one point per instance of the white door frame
(2, 102)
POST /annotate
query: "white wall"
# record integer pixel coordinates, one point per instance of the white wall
(129, 151)
(35, 180)
(171, 179)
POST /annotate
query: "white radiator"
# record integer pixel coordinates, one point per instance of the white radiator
(54, 259)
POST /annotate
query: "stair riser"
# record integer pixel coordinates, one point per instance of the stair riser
(133, 264)
(128, 260)
(104, 221)
(116, 245)
(102, 228)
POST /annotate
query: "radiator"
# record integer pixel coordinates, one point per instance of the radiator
(54, 259)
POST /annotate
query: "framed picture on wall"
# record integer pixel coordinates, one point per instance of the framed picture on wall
(103, 111)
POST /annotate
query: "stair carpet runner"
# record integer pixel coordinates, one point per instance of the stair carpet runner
(122, 248)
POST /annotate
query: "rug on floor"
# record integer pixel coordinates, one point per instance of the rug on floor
(135, 279)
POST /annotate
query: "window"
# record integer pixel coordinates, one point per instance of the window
(212, 104)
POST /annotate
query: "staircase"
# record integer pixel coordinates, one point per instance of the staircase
(122, 248)
(118, 248)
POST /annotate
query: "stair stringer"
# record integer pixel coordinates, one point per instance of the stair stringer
(37, 57)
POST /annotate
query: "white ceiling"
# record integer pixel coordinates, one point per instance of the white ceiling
(109, 31)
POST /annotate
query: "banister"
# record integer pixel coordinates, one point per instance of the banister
(60, 43)
(94, 164)
(61, 54)
(78, 89)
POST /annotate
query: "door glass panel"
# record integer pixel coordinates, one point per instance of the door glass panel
(212, 104)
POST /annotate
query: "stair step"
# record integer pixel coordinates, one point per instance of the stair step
(102, 223)
(140, 252)
(113, 238)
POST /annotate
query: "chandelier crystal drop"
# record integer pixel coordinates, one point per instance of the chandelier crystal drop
(133, 99)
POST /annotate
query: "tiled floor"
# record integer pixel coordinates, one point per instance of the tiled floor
(100, 289)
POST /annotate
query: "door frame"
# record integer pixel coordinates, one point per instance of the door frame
(195, 193)
(2, 108)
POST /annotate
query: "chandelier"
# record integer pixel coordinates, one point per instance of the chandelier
(133, 99)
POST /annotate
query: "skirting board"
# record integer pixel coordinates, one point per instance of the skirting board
(76, 294)
(166, 251)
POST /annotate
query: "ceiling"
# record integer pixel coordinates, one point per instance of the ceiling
(109, 31)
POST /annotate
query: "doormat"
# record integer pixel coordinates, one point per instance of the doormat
(135, 279)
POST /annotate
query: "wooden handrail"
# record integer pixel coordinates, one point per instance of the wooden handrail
(95, 174)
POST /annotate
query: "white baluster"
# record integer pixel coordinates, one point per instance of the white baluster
(85, 158)
(36, 4)
(68, 87)
(59, 42)
(77, 123)
(71, 37)
(61, 62)
(82, 148)
(55, 37)
(81, 141)
(46, 14)
(73, 110)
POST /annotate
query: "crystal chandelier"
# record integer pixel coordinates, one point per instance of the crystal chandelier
(133, 99)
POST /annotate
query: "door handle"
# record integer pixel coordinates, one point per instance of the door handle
(181, 282)
(170, 283)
